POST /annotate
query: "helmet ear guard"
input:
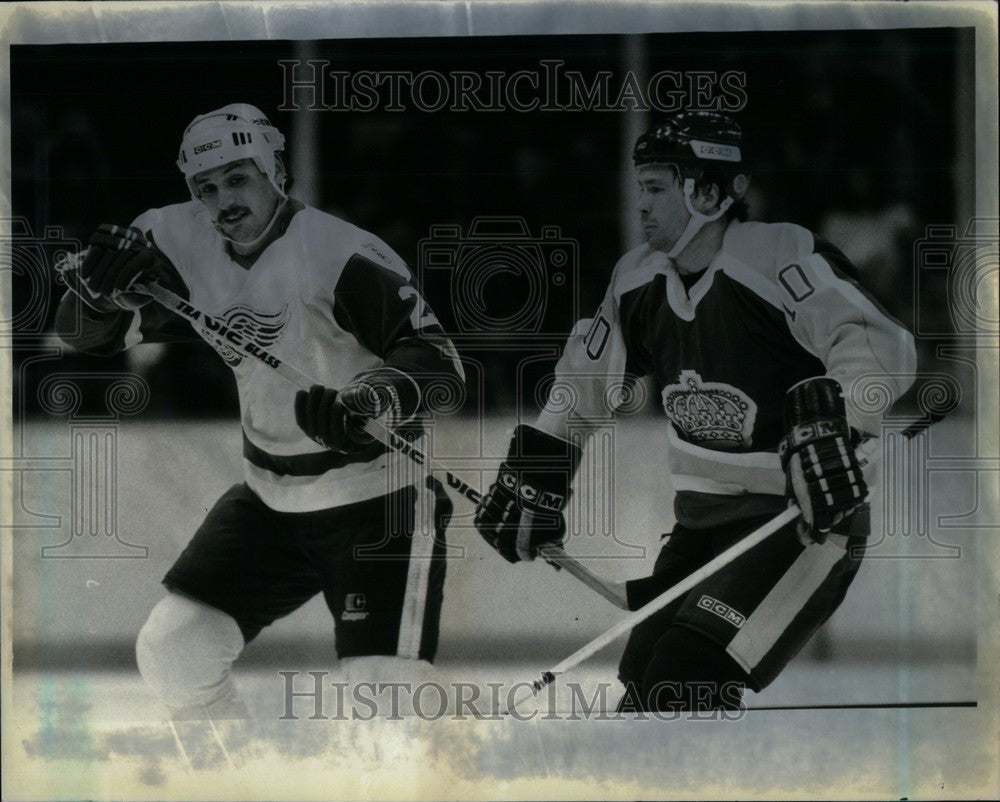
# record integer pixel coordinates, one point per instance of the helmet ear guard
(234, 132)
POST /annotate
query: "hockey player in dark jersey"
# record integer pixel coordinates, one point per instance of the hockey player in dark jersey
(323, 507)
(756, 337)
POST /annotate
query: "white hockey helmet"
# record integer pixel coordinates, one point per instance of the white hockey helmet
(237, 131)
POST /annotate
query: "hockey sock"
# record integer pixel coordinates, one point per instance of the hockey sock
(689, 672)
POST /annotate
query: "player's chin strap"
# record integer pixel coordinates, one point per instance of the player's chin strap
(697, 220)
(279, 187)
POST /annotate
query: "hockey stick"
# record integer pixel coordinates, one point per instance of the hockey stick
(614, 592)
(661, 601)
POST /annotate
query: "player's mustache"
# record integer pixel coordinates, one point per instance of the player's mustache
(232, 211)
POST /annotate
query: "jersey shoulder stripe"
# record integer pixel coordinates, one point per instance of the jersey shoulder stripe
(757, 254)
(175, 218)
(179, 224)
(336, 241)
(184, 233)
(843, 269)
(768, 246)
(637, 268)
(769, 259)
(754, 280)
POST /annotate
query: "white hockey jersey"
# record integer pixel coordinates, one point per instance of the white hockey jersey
(325, 296)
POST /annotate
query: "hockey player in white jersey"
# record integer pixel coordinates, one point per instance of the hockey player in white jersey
(757, 337)
(323, 507)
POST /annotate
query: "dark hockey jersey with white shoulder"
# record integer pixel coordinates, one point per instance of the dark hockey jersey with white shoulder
(325, 296)
(775, 306)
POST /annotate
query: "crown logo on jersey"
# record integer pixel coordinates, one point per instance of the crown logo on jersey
(710, 414)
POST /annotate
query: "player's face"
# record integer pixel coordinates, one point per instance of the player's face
(239, 197)
(662, 211)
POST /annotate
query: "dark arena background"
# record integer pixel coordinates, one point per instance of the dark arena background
(512, 221)
(855, 135)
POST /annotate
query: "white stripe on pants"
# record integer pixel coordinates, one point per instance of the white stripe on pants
(411, 623)
(787, 598)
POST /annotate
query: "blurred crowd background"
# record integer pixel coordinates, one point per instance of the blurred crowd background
(865, 137)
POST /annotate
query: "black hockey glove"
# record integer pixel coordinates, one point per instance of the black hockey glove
(335, 419)
(117, 259)
(68, 268)
(818, 457)
(523, 508)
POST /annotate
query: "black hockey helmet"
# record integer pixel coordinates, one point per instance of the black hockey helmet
(701, 145)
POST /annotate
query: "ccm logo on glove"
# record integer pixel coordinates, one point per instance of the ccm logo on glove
(533, 495)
